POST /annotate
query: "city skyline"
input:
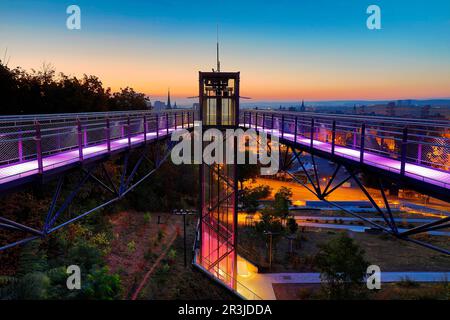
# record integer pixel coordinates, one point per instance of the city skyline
(312, 51)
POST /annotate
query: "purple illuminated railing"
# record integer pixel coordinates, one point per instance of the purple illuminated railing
(417, 148)
(31, 144)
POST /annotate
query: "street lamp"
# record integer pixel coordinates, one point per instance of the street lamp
(184, 213)
(270, 234)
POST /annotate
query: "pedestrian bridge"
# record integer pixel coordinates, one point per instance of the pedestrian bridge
(36, 145)
(414, 152)
(411, 152)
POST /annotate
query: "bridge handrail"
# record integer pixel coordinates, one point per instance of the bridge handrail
(423, 142)
(351, 116)
(103, 114)
(30, 137)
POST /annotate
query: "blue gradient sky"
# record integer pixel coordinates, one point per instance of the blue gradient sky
(285, 50)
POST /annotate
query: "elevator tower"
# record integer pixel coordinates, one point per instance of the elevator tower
(219, 109)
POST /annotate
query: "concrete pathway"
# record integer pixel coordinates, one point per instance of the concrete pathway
(262, 283)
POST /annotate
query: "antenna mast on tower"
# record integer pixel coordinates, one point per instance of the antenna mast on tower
(218, 60)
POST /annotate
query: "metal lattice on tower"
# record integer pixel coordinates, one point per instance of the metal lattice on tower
(219, 109)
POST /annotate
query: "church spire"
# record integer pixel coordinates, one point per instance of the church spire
(169, 106)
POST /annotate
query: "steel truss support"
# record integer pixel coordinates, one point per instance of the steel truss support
(126, 184)
(390, 226)
(218, 218)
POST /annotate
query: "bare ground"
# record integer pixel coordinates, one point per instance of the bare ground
(137, 244)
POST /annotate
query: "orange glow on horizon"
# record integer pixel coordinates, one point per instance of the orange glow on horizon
(154, 80)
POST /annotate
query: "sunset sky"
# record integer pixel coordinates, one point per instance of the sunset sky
(285, 50)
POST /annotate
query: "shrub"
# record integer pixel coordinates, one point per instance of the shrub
(172, 255)
(131, 246)
(161, 235)
(342, 266)
(406, 282)
(147, 217)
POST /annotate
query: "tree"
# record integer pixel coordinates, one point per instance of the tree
(128, 99)
(250, 197)
(247, 172)
(282, 202)
(101, 285)
(342, 267)
(292, 228)
(292, 225)
(45, 91)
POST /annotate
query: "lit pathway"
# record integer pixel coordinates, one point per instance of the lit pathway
(421, 173)
(262, 283)
(19, 170)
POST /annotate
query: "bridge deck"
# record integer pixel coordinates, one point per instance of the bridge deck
(417, 172)
(16, 171)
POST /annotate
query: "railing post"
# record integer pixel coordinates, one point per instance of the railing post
(175, 114)
(157, 126)
(182, 119)
(80, 140)
(188, 119)
(403, 151)
(85, 137)
(264, 121)
(419, 153)
(129, 131)
(108, 135)
(312, 134)
(167, 123)
(273, 121)
(333, 137)
(145, 129)
(38, 139)
(282, 126)
(20, 148)
(295, 129)
(363, 137)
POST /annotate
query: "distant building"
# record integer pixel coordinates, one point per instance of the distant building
(425, 112)
(159, 105)
(404, 103)
(302, 107)
(362, 109)
(390, 109)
